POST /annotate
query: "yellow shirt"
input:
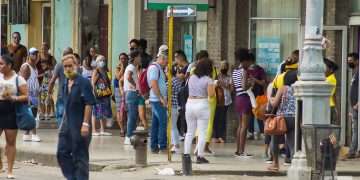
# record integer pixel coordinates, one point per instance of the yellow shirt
(278, 82)
(331, 79)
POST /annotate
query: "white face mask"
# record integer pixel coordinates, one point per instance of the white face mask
(101, 64)
(93, 64)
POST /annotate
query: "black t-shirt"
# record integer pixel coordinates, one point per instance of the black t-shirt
(354, 89)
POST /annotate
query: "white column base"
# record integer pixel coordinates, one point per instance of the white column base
(299, 169)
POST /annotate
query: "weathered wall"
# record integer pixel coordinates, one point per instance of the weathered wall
(22, 29)
(63, 26)
(35, 26)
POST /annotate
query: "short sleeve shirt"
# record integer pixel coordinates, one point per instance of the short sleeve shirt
(331, 79)
(59, 72)
(198, 86)
(155, 72)
(127, 85)
(9, 85)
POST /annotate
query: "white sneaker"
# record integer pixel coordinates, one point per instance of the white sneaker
(175, 150)
(35, 138)
(127, 141)
(27, 137)
(95, 134)
(103, 133)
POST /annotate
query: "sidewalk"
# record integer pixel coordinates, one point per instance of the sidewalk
(110, 153)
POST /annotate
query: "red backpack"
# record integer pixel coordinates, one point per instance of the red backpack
(144, 87)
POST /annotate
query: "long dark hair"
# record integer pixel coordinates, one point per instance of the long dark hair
(203, 68)
(8, 60)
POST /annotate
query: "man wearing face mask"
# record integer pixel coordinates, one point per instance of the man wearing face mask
(59, 74)
(75, 130)
(353, 62)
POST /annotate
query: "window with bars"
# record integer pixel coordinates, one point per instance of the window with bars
(19, 11)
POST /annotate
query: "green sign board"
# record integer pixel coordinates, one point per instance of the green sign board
(162, 5)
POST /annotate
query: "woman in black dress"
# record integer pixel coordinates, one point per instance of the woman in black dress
(8, 97)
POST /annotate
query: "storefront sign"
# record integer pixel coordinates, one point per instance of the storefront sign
(268, 54)
(162, 5)
(188, 47)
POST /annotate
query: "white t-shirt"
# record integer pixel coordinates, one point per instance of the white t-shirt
(127, 85)
(10, 85)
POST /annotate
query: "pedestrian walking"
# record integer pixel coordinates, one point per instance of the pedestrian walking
(13, 89)
(119, 92)
(45, 56)
(331, 68)
(353, 63)
(102, 90)
(242, 100)
(87, 67)
(29, 71)
(201, 87)
(17, 51)
(75, 131)
(223, 86)
(158, 100)
(59, 74)
(132, 94)
(284, 102)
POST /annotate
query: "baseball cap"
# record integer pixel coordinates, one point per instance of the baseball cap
(33, 50)
(163, 50)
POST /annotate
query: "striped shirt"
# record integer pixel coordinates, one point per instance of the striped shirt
(33, 84)
(237, 79)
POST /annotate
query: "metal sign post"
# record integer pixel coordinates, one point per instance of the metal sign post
(169, 71)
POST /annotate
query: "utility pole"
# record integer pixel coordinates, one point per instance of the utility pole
(312, 92)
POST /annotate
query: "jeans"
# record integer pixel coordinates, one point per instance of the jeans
(158, 126)
(132, 101)
(174, 129)
(354, 138)
(73, 154)
(252, 125)
(290, 138)
(59, 110)
(220, 122)
(197, 117)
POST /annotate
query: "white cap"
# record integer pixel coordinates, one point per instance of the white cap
(33, 50)
(163, 50)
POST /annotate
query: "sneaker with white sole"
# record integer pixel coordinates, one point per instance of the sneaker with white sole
(27, 137)
(95, 134)
(103, 133)
(35, 138)
(175, 150)
(127, 141)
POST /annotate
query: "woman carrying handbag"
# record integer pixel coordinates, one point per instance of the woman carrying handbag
(284, 101)
(8, 98)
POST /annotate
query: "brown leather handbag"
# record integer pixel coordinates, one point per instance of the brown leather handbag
(275, 125)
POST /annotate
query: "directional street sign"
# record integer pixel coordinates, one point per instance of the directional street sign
(162, 5)
(182, 11)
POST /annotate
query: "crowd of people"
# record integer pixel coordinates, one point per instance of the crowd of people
(202, 93)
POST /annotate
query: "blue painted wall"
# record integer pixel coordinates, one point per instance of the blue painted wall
(21, 28)
(63, 25)
(119, 29)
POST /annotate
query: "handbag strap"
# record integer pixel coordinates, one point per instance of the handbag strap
(17, 85)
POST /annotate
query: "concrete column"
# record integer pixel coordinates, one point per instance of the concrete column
(214, 39)
(231, 30)
(135, 11)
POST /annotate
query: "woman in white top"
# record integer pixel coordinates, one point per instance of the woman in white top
(30, 73)
(197, 113)
(9, 94)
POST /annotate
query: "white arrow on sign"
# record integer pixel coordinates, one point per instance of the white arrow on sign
(182, 11)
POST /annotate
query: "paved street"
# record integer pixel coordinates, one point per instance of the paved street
(111, 159)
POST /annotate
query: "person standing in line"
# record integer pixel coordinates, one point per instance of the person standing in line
(331, 68)
(102, 90)
(59, 74)
(75, 131)
(158, 100)
(224, 82)
(201, 87)
(182, 66)
(131, 93)
(46, 106)
(145, 61)
(10, 93)
(242, 99)
(353, 63)
(29, 72)
(17, 51)
(175, 137)
(119, 92)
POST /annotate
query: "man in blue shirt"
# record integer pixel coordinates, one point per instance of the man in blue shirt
(158, 95)
(75, 129)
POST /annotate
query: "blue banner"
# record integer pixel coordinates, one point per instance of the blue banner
(268, 54)
(188, 47)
